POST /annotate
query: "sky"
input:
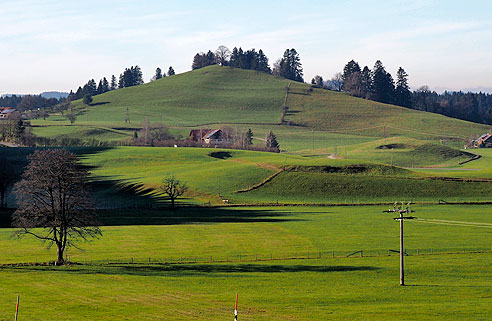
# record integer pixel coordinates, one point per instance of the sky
(59, 45)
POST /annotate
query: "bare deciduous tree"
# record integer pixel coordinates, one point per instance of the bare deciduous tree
(53, 202)
(222, 55)
(173, 188)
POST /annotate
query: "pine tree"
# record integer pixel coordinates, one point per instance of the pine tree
(263, 62)
(351, 78)
(234, 60)
(113, 83)
(158, 73)
(91, 87)
(351, 67)
(99, 88)
(403, 96)
(271, 141)
(366, 85)
(248, 140)
(383, 86)
(170, 71)
(105, 85)
(121, 82)
(290, 65)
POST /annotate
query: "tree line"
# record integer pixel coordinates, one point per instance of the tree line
(28, 102)
(288, 66)
(377, 84)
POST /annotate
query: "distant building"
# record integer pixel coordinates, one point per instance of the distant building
(5, 112)
(484, 141)
(209, 136)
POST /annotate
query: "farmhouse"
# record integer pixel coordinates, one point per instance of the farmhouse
(484, 141)
(209, 136)
(5, 112)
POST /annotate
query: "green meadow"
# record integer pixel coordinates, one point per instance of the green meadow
(444, 286)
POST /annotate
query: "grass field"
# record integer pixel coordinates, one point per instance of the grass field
(442, 286)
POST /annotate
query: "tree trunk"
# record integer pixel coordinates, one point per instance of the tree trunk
(172, 203)
(59, 260)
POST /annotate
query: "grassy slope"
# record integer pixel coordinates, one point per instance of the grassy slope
(451, 287)
(209, 95)
(216, 95)
(333, 111)
(208, 177)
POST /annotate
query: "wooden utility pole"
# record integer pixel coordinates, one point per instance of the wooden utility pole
(401, 218)
(313, 139)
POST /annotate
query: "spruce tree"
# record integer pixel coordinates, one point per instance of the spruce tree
(263, 62)
(383, 86)
(170, 71)
(105, 85)
(91, 87)
(248, 140)
(403, 96)
(366, 85)
(99, 88)
(113, 83)
(271, 141)
(158, 73)
(290, 65)
(234, 60)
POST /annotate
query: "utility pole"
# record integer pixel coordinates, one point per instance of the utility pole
(313, 139)
(400, 210)
(127, 118)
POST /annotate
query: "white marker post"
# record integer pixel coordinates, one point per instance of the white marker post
(17, 307)
(235, 310)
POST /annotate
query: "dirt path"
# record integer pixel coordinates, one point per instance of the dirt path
(7, 144)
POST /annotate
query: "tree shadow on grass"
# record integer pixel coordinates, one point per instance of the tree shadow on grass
(189, 269)
(193, 215)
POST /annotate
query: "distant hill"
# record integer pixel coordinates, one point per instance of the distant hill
(54, 94)
(46, 94)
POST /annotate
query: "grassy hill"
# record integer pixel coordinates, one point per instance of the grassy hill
(215, 96)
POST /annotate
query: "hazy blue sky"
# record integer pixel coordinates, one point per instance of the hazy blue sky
(59, 45)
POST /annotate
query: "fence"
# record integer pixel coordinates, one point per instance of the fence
(299, 255)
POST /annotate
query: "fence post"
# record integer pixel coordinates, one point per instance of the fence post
(361, 253)
(319, 255)
(210, 258)
(417, 251)
(256, 257)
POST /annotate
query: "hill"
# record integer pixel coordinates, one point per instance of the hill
(217, 96)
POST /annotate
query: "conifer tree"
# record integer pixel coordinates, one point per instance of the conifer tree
(403, 96)
(248, 140)
(170, 71)
(366, 85)
(271, 141)
(290, 65)
(99, 87)
(105, 85)
(114, 84)
(383, 86)
(158, 73)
